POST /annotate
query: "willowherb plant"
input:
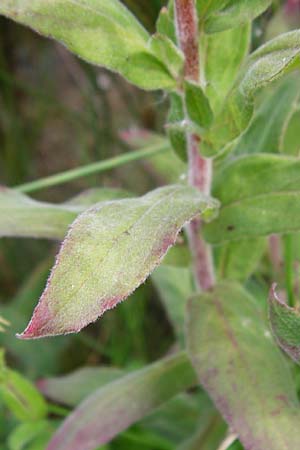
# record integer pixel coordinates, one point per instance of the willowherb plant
(243, 184)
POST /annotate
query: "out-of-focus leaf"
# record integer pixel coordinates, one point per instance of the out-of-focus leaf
(35, 358)
(21, 216)
(19, 395)
(102, 32)
(197, 105)
(290, 144)
(27, 435)
(208, 436)
(179, 418)
(267, 127)
(229, 345)
(175, 286)
(267, 64)
(71, 389)
(109, 251)
(116, 406)
(231, 13)
(260, 195)
(285, 323)
(223, 48)
(237, 260)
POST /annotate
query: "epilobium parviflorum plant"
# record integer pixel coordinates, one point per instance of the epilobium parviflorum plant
(234, 124)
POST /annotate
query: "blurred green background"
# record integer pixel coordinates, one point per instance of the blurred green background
(57, 113)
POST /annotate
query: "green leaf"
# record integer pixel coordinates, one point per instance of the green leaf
(102, 32)
(285, 323)
(123, 402)
(267, 129)
(267, 64)
(21, 216)
(109, 251)
(237, 260)
(167, 51)
(209, 435)
(165, 23)
(230, 13)
(222, 57)
(229, 345)
(71, 389)
(24, 435)
(175, 286)
(177, 135)
(260, 195)
(197, 105)
(19, 395)
(289, 144)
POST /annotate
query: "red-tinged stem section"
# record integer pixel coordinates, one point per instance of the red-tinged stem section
(200, 169)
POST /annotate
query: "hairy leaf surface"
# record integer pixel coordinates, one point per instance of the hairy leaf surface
(123, 402)
(229, 344)
(102, 32)
(285, 323)
(260, 195)
(109, 251)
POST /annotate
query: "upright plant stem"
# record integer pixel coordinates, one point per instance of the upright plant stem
(200, 169)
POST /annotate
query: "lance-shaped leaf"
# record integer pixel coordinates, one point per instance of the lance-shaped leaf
(109, 251)
(102, 32)
(229, 344)
(21, 216)
(285, 323)
(260, 195)
(267, 64)
(123, 402)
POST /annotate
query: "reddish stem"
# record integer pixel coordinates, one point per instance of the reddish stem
(200, 169)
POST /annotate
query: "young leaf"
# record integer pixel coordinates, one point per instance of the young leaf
(109, 251)
(260, 195)
(233, 13)
(267, 64)
(165, 23)
(229, 345)
(21, 216)
(102, 32)
(123, 402)
(71, 389)
(167, 51)
(285, 323)
(197, 105)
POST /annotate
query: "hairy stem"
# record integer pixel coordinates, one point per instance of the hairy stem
(200, 169)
